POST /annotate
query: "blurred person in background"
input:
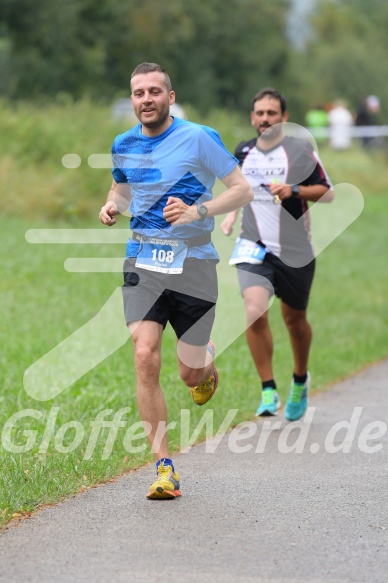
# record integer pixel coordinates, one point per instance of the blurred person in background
(368, 115)
(340, 122)
(316, 118)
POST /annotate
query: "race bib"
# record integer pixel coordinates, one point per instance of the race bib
(246, 251)
(162, 255)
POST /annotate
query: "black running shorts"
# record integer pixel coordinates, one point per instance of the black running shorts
(186, 300)
(291, 284)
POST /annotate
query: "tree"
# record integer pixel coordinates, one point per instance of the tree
(345, 54)
(217, 53)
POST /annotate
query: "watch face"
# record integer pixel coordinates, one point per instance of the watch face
(202, 211)
(295, 189)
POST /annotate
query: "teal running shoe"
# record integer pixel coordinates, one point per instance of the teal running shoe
(297, 400)
(269, 403)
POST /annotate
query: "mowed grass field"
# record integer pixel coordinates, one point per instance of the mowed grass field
(51, 449)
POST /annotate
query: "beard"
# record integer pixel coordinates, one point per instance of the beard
(270, 132)
(159, 121)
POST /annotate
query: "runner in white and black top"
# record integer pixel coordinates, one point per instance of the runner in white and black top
(292, 161)
(273, 253)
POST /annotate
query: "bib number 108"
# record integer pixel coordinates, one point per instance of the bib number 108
(162, 256)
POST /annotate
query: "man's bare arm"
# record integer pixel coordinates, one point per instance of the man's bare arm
(118, 199)
(311, 193)
(228, 222)
(238, 194)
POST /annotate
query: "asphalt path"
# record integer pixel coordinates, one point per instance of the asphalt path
(268, 502)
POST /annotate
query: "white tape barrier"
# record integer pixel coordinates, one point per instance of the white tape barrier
(353, 131)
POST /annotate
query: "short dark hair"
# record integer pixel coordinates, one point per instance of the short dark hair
(150, 68)
(269, 92)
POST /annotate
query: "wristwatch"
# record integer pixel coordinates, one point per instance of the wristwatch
(202, 210)
(295, 189)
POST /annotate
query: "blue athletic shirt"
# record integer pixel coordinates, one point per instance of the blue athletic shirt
(183, 162)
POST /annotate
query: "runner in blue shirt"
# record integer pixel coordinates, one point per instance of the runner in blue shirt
(163, 171)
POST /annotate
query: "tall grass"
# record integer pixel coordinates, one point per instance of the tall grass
(33, 143)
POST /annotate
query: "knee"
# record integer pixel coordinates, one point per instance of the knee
(296, 325)
(147, 358)
(257, 317)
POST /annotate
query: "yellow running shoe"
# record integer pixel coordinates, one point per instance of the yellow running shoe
(203, 393)
(167, 485)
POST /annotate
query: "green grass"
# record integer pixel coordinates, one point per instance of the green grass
(42, 304)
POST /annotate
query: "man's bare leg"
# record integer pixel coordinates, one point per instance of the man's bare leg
(195, 363)
(258, 333)
(147, 339)
(300, 333)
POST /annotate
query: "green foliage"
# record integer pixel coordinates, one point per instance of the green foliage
(55, 46)
(34, 141)
(344, 55)
(217, 54)
(213, 52)
(223, 66)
